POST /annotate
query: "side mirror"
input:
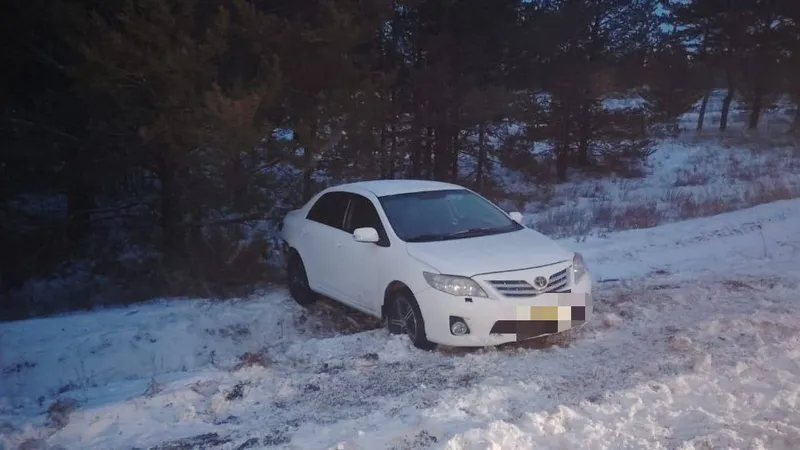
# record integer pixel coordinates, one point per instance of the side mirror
(366, 235)
(516, 217)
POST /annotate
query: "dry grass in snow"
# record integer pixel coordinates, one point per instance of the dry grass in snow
(687, 180)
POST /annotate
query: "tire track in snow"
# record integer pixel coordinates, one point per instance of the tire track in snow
(372, 374)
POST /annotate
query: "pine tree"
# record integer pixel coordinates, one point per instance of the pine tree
(588, 40)
(673, 85)
(157, 69)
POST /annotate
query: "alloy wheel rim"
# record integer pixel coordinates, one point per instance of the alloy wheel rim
(405, 317)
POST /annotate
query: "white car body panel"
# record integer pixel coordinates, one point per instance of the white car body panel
(486, 254)
(358, 273)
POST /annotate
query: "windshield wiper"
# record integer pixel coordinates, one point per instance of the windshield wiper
(482, 231)
(426, 238)
(457, 234)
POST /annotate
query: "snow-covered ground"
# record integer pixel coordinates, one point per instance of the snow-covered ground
(686, 179)
(696, 345)
(688, 176)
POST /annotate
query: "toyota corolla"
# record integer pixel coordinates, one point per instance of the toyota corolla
(436, 261)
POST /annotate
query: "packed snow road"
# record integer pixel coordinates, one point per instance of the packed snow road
(695, 345)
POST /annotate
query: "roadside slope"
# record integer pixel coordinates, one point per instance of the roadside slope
(697, 345)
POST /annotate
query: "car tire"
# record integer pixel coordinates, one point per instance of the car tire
(403, 316)
(297, 280)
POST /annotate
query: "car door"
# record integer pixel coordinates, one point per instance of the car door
(324, 231)
(364, 262)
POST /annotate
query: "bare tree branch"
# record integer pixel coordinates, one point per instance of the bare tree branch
(47, 128)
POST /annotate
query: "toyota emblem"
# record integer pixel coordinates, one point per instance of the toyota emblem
(540, 282)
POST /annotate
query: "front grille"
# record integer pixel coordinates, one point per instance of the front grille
(522, 288)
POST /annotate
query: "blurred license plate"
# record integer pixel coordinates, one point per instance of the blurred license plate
(546, 313)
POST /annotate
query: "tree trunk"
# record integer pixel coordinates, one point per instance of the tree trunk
(726, 103)
(392, 150)
(562, 149)
(308, 172)
(393, 126)
(173, 245)
(384, 154)
(583, 151)
(584, 134)
(79, 202)
(562, 161)
(239, 185)
(455, 152)
(309, 148)
(416, 157)
(428, 156)
(442, 154)
(481, 156)
(756, 108)
(796, 124)
(701, 116)
(80, 198)
(563, 114)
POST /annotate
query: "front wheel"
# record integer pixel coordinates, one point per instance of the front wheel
(404, 317)
(298, 281)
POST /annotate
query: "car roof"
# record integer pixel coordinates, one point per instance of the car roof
(381, 188)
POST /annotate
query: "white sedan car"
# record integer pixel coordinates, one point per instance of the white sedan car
(436, 261)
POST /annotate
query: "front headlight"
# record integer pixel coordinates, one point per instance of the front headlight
(579, 269)
(454, 285)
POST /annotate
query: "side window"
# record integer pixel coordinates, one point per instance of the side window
(362, 214)
(329, 209)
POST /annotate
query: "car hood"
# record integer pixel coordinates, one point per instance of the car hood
(503, 252)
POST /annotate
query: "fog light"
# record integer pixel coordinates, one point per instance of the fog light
(458, 327)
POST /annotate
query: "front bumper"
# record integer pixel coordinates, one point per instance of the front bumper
(500, 320)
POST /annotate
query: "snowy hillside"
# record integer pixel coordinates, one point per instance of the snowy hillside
(685, 180)
(688, 176)
(696, 345)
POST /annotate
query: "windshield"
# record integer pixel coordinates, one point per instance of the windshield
(443, 215)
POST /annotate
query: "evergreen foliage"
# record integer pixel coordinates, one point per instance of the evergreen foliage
(181, 128)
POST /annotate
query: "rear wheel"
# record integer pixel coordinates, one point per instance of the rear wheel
(297, 280)
(404, 317)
